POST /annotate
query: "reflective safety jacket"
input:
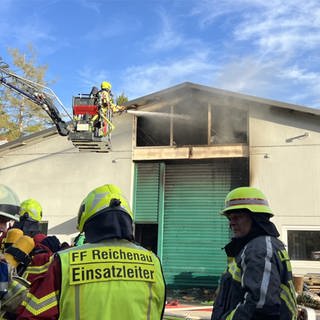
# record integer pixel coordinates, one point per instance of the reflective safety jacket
(257, 284)
(113, 279)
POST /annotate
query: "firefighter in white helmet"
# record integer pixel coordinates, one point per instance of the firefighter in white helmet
(258, 281)
(9, 208)
(12, 289)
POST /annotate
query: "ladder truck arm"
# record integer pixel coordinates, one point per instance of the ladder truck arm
(40, 95)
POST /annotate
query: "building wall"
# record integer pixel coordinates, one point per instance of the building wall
(284, 154)
(284, 163)
(55, 173)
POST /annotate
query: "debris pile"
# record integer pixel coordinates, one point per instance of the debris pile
(204, 296)
(309, 299)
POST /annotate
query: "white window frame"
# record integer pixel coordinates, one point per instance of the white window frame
(301, 266)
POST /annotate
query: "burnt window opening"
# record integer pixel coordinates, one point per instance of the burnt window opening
(190, 128)
(229, 125)
(192, 123)
(153, 130)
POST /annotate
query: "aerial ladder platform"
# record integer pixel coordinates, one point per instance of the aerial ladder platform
(90, 126)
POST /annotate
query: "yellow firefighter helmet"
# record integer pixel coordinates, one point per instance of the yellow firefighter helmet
(247, 198)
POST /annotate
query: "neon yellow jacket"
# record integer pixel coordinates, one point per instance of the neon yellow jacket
(114, 279)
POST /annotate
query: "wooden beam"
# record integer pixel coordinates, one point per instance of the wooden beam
(209, 123)
(151, 153)
(222, 151)
(205, 152)
(171, 125)
(134, 130)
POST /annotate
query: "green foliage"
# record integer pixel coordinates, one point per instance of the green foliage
(121, 99)
(20, 116)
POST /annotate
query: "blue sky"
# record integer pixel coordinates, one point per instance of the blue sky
(263, 48)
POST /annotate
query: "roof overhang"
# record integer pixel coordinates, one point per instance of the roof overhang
(173, 95)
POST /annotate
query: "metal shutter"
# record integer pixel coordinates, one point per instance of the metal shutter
(185, 199)
(146, 200)
(194, 231)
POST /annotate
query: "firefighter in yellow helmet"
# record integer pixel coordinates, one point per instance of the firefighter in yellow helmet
(105, 85)
(30, 217)
(102, 122)
(258, 281)
(109, 277)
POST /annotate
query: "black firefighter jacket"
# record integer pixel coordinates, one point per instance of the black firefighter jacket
(257, 283)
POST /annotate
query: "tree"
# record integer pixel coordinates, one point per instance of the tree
(20, 116)
(121, 99)
(5, 124)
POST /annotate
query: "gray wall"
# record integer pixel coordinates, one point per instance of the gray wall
(55, 173)
(288, 171)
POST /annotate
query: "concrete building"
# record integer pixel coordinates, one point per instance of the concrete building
(176, 157)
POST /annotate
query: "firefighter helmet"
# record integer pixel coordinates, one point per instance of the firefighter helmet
(31, 209)
(247, 198)
(106, 85)
(9, 203)
(108, 198)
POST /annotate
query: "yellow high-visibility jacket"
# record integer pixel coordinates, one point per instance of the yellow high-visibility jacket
(113, 279)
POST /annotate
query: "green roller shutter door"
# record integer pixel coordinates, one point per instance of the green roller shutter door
(194, 231)
(146, 200)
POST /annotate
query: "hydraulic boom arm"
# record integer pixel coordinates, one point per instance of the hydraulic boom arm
(39, 94)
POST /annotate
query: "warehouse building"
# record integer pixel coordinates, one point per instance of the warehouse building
(176, 157)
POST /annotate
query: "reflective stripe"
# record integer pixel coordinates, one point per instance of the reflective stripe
(284, 257)
(290, 301)
(230, 316)
(293, 291)
(266, 274)
(77, 302)
(234, 270)
(239, 201)
(37, 306)
(37, 269)
(243, 265)
(98, 197)
(15, 287)
(149, 302)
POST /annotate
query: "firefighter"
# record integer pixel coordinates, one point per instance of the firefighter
(45, 246)
(258, 282)
(9, 209)
(36, 255)
(109, 277)
(30, 217)
(104, 96)
(12, 291)
(106, 108)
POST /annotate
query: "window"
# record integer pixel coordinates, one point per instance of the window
(153, 130)
(229, 125)
(192, 123)
(304, 244)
